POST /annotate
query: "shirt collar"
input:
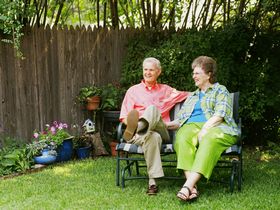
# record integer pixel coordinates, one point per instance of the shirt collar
(153, 87)
(212, 87)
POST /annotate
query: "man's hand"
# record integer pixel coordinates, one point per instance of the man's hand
(124, 121)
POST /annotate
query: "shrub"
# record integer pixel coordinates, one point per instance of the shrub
(112, 96)
(247, 63)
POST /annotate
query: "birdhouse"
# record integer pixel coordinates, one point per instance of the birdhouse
(89, 126)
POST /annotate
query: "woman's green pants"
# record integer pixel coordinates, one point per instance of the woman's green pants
(200, 157)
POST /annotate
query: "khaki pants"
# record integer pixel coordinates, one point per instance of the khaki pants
(151, 141)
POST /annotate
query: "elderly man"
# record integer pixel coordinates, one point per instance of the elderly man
(145, 111)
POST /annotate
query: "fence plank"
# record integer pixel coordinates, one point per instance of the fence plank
(58, 62)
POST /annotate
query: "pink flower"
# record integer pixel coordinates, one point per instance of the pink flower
(36, 135)
(53, 130)
(60, 126)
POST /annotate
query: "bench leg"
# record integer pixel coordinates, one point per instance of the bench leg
(118, 170)
(239, 175)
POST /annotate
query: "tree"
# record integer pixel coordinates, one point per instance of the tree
(10, 25)
(157, 14)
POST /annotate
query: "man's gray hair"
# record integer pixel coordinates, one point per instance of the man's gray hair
(154, 61)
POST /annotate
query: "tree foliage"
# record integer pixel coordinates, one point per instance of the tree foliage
(243, 35)
(156, 14)
(10, 24)
(247, 62)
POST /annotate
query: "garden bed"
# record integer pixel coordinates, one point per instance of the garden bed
(36, 168)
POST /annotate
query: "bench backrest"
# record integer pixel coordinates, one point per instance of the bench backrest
(235, 106)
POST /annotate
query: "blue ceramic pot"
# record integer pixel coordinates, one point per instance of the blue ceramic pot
(65, 151)
(83, 152)
(45, 158)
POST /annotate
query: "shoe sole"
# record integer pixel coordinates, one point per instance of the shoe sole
(152, 193)
(132, 122)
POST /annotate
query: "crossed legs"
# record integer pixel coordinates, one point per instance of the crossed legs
(149, 133)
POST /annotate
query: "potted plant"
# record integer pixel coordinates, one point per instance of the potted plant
(82, 144)
(90, 96)
(112, 96)
(43, 151)
(54, 140)
(113, 145)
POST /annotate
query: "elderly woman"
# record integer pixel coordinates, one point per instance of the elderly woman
(207, 127)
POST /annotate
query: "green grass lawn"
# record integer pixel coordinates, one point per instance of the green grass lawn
(90, 184)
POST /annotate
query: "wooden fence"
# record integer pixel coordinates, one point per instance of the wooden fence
(42, 87)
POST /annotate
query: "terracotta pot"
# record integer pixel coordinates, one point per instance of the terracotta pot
(113, 148)
(93, 103)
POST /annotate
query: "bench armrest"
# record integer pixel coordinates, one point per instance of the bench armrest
(120, 130)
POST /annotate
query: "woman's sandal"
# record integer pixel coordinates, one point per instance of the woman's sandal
(180, 194)
(194, 195)
(191, 197)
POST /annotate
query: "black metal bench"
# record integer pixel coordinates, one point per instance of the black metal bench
(133, 154)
